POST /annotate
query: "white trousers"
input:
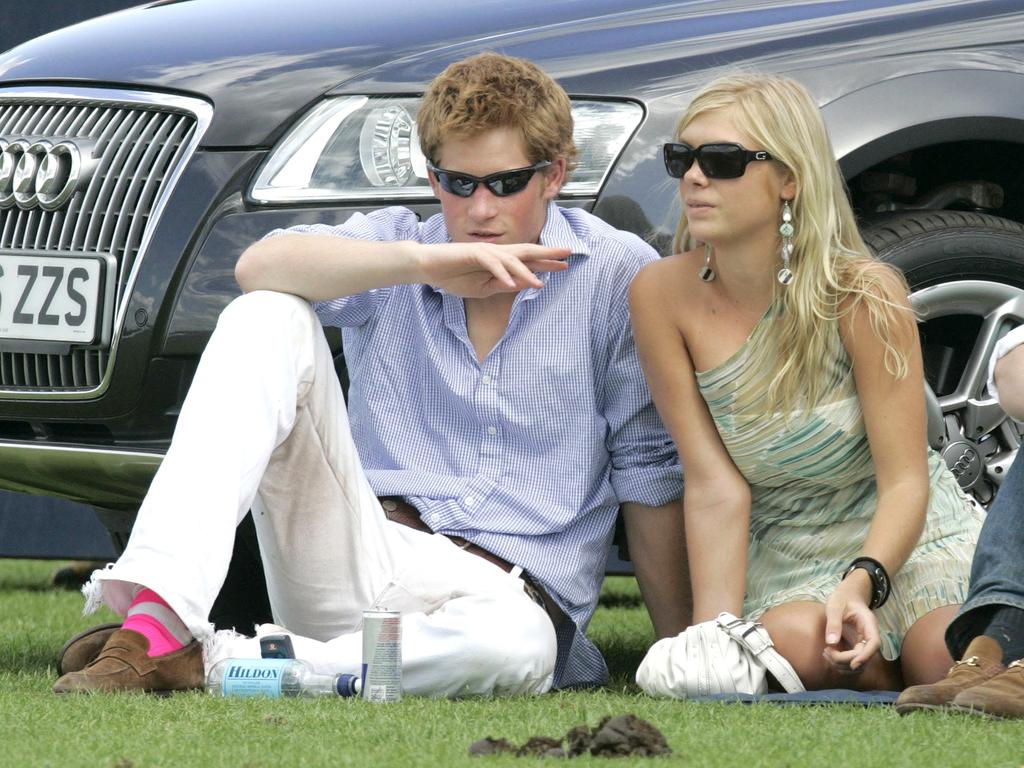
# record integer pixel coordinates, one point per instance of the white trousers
(265, 427)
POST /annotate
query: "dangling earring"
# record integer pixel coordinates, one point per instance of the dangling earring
(707, 274)
(785, 276)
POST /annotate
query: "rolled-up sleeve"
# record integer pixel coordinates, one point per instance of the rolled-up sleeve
(645, 464)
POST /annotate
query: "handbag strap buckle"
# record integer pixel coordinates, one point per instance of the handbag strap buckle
(751, 635)
(755, 638)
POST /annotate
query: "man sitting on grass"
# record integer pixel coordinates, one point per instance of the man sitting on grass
(987, 634)
(496, 421)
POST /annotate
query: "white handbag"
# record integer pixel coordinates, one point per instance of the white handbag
(725, 655)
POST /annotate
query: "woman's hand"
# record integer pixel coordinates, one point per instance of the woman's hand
(852, 635)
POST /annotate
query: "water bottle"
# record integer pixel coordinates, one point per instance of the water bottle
(275, 678)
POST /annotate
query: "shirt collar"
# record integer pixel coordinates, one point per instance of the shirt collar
(558, 233)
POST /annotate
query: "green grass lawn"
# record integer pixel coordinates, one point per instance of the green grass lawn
(38, 728)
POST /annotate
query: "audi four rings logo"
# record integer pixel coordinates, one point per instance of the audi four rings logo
(38, 173)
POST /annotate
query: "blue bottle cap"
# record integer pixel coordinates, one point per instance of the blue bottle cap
(347, 685)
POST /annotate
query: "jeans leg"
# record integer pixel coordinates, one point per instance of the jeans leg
(997, 571)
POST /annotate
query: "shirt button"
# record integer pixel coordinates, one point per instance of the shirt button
(469, 501)
(492, 430)
(486, 378)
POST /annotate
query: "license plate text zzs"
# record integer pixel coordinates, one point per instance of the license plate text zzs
(48, 298)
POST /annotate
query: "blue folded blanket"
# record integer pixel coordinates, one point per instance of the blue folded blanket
(828, 696)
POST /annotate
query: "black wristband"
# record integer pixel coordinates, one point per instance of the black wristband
(880, 587)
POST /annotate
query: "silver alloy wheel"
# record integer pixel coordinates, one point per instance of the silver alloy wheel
(980, 441)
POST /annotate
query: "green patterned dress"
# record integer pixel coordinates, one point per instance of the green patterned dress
(813, 497)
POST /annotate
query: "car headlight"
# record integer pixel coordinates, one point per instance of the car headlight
(363, 148)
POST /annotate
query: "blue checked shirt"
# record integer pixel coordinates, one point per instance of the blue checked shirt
(530, 453)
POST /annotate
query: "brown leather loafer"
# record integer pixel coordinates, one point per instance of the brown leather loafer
(981, 662)
(123, 665)
(81, 649)
(1002, 697)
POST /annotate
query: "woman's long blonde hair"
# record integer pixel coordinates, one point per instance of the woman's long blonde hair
(833, 268)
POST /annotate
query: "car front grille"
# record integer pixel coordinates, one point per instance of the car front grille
(134, 146)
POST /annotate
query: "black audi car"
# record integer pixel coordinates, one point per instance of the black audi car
(141, 152)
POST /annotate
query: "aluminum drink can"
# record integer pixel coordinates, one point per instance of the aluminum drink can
(382, 655)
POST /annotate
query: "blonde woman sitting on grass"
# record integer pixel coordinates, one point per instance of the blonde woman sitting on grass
(785, 362)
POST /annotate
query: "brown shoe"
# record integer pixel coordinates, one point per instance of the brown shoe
(123, 665)
(81, 649)
(981, 662)
(1002, 697)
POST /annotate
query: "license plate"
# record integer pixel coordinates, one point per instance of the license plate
(50, 298)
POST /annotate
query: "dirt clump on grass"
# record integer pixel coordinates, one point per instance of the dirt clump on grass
(620, 736)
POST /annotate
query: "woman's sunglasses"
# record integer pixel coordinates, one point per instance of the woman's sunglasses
(716, 161)
(502, 183)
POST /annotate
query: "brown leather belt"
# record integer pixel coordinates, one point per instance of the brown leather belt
(398, 510)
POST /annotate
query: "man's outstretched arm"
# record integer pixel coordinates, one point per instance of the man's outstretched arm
(320, 267)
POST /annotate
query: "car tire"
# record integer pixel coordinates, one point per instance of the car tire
(966, 277)
(935, 246)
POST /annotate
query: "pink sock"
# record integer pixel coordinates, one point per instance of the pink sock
(151, 616)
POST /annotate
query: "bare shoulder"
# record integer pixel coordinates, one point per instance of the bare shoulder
(669, 280)
(876, 313)
(873, 282)
(886, 282)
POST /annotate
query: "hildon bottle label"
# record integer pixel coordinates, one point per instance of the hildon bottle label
(255, 677)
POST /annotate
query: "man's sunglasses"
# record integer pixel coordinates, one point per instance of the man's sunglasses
(716, 161)
(502, 183)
